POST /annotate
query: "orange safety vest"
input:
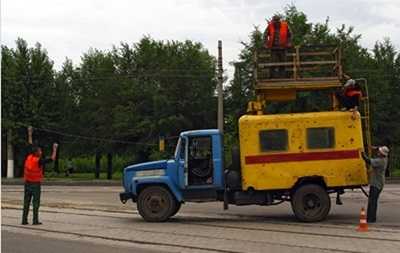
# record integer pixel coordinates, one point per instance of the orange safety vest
(33, 172)
(352, 93)
(283, 34)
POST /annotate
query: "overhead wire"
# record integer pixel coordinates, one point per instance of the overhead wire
(93, 138)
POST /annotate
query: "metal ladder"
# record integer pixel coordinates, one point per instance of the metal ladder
(365, 116)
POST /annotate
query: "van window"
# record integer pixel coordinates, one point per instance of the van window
(274, 140)
(322, 137)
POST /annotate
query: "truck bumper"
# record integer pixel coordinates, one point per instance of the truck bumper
(125, 196)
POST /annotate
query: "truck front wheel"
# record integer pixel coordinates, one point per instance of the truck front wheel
(176, 210)
(311, 203)
(156, 203)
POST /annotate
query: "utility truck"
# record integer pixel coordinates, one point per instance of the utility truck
(296, 157)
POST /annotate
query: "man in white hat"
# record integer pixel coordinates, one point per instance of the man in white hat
(376, 179)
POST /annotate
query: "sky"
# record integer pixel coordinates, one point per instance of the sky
(70, 28)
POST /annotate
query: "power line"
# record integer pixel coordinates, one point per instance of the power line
(165, 73)
(114, 78)
(87, 137)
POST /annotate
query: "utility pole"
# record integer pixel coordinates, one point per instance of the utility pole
(220, 90)
(10, 156)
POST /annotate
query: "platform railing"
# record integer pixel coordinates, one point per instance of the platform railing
(310, 63)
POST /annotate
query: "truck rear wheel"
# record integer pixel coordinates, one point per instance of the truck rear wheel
(156, 204)
(311, 203)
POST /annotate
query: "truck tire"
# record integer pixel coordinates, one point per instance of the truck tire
(311, 203)
(176, 210)
(156, 204)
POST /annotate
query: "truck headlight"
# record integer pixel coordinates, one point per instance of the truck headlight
(150, 173)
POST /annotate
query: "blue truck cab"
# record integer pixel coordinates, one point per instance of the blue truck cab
(194, 174)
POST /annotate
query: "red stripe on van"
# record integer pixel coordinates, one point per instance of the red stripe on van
(308, 156)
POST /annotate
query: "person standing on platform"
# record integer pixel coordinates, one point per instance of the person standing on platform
(278, 38)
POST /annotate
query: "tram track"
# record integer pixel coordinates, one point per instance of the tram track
(108, 238)
(187, 221)
(215, 217)
(265, 243)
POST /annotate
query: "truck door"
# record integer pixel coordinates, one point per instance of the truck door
(196, 166)
(200, 166)
(182, 150)
(197, 175)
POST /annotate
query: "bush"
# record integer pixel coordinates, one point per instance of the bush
(86, 164)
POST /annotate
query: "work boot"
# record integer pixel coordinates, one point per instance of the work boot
(338, 200)
(37, 223)
(24, 222)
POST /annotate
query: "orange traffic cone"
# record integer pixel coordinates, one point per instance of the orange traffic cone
(363, 226)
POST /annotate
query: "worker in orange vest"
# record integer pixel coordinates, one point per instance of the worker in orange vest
(278, 38)
(349, 95)
(33, 176)
(277, 34)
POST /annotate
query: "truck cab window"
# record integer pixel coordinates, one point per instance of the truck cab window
(321, 137)
(200, 163)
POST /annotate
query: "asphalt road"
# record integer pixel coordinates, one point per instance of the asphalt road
(16, 242)
(84, 217)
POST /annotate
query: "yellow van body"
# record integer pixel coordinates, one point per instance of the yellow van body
(322, 144)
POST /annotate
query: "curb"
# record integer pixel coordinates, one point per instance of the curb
(67, 182)
(395, 180)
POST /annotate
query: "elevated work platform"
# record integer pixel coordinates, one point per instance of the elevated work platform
(297, 69)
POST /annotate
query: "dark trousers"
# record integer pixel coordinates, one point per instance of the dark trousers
(31, 193)
(347, 102)
(278, 55)
(372, 203)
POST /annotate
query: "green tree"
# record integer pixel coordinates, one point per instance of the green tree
(135, 93)
(27, 86)
(27, 92)
(384, 88)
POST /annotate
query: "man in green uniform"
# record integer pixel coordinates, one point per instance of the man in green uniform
(376, 180)
(33, 176)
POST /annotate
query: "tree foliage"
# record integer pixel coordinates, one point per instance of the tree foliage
(124, 98)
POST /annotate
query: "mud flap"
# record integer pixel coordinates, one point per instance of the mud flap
(124, 196)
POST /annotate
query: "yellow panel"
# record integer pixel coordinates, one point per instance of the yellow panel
(280, 95)
(350, 171)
